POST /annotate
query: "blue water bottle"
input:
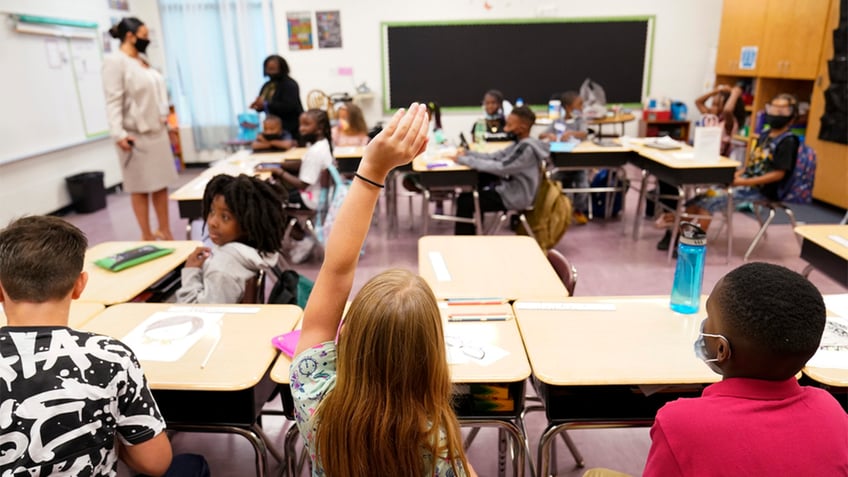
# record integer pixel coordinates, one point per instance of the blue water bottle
(689, 274)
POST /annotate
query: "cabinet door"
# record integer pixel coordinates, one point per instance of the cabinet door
(742, 24)
(832, 165)
(793, 38)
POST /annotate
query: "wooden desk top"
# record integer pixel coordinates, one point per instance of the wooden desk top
(673, 160)
(80, 314)
(342, 152)
(618, 118)
(239, 361)
(501, 266)
(503, 334)
(109, 288)
(420, 163)
(591, 146)
(641, 342)
(820, 235)
(242, 162)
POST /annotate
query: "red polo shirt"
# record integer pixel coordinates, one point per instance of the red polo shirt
(751, 427)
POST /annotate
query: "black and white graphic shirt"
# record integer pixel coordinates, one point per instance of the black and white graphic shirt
(64, 397)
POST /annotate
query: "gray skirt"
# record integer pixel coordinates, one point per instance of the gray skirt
(149, 167)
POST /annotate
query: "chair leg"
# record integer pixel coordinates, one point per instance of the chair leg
(760, 234)
(425, 212)
(478, 216)
(794, 223)
(526, 224)
(498, 223)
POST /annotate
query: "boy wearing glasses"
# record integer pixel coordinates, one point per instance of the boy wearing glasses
(764, 322)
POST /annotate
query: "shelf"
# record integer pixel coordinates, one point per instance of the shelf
(739, 137)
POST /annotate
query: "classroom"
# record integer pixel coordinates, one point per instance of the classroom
(567, 299)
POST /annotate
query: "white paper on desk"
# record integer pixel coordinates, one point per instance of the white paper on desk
(833, 350)
(707, 143)
(344, 150)
(685, 156)
(463, 349)
(168, 335)
(839, 239)
(837, 304)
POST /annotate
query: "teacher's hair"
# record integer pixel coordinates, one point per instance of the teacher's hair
(126, 25)
(284, 66)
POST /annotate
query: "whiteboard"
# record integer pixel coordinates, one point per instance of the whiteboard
(51, 92)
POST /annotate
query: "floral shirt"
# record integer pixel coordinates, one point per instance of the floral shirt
(313, 375)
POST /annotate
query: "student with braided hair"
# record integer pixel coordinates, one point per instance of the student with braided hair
(245, 219)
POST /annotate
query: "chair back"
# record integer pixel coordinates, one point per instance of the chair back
(566, 271)
(254, 289)
(317, 99)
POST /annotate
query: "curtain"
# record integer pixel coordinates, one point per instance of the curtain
(214, 52)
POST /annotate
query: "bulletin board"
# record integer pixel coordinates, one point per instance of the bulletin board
(52, 92)
(454, 63)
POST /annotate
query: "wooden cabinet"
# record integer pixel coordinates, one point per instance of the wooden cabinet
(832, 168)
(792, 39)
(788, 35)
(678, 130)
(742, 24)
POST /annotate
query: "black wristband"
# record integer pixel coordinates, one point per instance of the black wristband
(363, 178)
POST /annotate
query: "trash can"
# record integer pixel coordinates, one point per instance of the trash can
(87, 191)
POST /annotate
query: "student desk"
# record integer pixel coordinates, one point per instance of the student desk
(110, 288)
(589, 155)
(81, 313)
(609, 368)
(619, 118)
(228, 394)
(824, 253)
(347, 157)
(446, 179)
(190, 196)
(668, 166)
(508, 267)
(507, 375)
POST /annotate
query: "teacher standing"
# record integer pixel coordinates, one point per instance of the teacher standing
(137, 108)
(280, 95)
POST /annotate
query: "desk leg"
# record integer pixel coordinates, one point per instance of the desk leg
(514, 433)
(478, 216)
(290, 467)
(188, 230)
(425, 212)
(391, 203)
(259, 447)
(640, 206)
(675, 226)
(730, 209)
(807, 270)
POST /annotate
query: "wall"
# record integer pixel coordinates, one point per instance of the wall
(686, 34)
(36, 185)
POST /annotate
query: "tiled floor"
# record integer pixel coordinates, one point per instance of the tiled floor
(608, 260)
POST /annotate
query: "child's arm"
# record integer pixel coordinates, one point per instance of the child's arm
(260, 143)
(701, 102)
(291, 179)
(284, 144)
(730, 104)
(404, 138)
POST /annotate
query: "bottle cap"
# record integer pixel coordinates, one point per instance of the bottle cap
(691, 234)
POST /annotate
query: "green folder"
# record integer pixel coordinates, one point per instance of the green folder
(132, 257)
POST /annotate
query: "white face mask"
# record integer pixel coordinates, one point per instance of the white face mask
(701, 349)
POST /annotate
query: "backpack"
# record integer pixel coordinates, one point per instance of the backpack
(798, 189)
(291, 288)
(332, 203)
(599, 199)
(551, 214)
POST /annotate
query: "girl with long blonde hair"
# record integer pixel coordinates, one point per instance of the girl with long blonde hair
(379, 402)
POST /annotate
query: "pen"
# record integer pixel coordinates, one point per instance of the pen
(477, 317)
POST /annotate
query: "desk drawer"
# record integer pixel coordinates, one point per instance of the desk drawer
(487, 400)
(608, 403)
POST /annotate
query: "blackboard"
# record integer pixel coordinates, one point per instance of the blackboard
(455, 63)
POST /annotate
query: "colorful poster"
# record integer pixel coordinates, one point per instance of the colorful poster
(300, 30)
(329, 29)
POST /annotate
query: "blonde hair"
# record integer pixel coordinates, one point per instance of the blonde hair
(393, 390)
(355, 120)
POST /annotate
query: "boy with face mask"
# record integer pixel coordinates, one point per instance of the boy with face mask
(770, 165)
(764, 322)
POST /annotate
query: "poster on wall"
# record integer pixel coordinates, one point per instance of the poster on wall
(300, 30)
(329, 29)
(123, 5)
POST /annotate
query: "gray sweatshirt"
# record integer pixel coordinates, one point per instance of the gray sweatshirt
(223, 276)
(517, 166)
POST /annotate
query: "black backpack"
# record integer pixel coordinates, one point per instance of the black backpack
(291, 288)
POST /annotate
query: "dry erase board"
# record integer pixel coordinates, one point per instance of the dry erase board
(455, 63)
(51, 89)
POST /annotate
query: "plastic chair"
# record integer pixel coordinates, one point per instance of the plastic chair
(522, 219)
(254, 290)
(317, 99)
(563, 267)
(308, 218)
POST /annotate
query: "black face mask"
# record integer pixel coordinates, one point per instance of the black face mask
(275, 77)
(310, 138)
(510, 136)
(141, 44)
(272, 137)
(777, 122)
